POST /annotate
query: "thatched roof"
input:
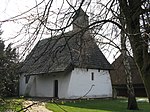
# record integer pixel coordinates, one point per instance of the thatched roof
(63, 52)
(118, 75)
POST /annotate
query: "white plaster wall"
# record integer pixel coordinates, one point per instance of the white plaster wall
(72, 85)
(33, 87)
(80, 84)
(63, 81)
(43, 85)
(22, 85)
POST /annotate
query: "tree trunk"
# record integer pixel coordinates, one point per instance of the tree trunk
(140, 53)
(132, 104)
(132, 10)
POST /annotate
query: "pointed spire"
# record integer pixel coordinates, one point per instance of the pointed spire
(80, 20)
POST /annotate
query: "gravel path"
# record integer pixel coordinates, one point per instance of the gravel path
(37, 106)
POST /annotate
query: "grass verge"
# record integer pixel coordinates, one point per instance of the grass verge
(96, 105)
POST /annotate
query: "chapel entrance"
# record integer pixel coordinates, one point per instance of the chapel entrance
(55, 88)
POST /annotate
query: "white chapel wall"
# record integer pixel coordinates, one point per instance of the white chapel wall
(81, 83)
(44, 85)
(70, 85)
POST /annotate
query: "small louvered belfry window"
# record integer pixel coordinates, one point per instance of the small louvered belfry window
(92, 76)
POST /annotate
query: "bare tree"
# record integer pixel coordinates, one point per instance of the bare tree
(139, 44)
(132, 104)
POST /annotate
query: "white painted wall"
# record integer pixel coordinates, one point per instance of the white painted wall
(72, 85)
(25, 88)
(43, 85)
(80, 84)
(22, 84)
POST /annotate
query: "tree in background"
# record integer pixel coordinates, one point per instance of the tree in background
(8, 70)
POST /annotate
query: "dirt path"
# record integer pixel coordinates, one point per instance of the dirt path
(37, 106)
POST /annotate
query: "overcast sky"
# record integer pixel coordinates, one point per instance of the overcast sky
(11, 8)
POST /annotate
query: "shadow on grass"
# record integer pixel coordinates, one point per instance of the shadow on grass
(100, 105)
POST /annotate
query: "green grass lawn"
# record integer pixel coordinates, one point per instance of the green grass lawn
(10, 104)
(97, 105)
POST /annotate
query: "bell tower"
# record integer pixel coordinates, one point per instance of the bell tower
(80, 20)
